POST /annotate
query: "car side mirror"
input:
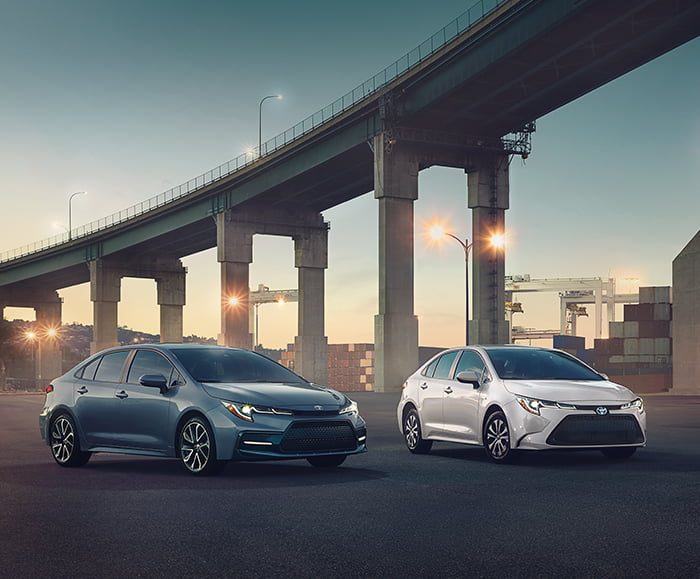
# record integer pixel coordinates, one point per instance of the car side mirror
(468, 378)
(154, 381)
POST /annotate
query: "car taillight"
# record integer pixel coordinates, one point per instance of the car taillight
(49, 389)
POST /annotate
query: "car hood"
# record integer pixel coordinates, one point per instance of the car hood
(278, 395)
(570, 391)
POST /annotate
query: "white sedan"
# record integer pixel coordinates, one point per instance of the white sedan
(512, 398)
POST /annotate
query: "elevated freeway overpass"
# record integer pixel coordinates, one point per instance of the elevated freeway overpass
(466, 97)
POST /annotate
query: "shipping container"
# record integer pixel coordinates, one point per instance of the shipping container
(655, 295)
(638, 312)
(662, 312)
(631, 329)
(565, 342)
(654, 329)
(662, 346)
(616, 329)
(631, 346)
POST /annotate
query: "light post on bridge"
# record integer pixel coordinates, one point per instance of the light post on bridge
(272, 96)
(70, 213)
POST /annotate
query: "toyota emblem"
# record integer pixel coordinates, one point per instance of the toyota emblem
(318, 407)
(601, 411)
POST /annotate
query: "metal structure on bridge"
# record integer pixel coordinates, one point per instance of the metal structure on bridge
(465, 98)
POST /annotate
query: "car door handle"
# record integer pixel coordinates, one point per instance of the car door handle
(423, 386)
(448, 390)
(122, 394)
(82, 390)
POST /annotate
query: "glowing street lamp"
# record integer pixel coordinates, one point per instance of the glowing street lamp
(497, 241)
(437, 232)
(70, 213)
(272, 96)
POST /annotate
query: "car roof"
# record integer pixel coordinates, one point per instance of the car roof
(167, 347)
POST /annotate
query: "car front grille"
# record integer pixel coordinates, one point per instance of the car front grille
(321, 436)
(596, 430)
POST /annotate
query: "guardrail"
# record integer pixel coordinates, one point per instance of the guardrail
(424, 50)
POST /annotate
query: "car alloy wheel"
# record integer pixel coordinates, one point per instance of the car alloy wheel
(413, 435)
(497, 438)
(65, 446)
(197, 449)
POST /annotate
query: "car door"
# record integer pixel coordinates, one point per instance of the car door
(431, 391)
(94, 398)
(461, 402)
(144, 412)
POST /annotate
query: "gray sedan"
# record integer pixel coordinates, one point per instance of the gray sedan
(202, 404)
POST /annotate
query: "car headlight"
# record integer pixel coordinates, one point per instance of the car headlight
(350, 408)
(533, 405)
(637, 404)
(246, 411)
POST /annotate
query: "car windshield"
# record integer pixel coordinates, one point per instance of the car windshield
(534, 364)
(228, 365)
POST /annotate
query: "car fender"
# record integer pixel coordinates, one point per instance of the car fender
(45, 424)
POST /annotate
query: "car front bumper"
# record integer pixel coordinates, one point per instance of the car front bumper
(558, 428)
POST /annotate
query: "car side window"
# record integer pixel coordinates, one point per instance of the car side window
(88, 372)
(470, 362)
(110, 368)
(149, 362)
(430, 369)
(444, 365)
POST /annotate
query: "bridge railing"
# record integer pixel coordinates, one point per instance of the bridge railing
(413, 58)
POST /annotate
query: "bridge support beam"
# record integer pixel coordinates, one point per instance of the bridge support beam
(235, 254)
(105, 292)
(396, 326)
(171, 299)
(488, 195)
(49, 360)
(311, 345)
(47, 306)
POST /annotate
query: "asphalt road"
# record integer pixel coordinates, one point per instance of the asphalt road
(385, 513)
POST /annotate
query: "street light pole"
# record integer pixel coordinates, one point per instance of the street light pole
(70, 213)
(262, 100)
(466, 246)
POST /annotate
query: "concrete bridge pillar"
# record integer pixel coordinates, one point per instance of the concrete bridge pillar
(235, 253)
(171, 299)
(488, 194)
(49, 361)
(105, 293)
(311, 345)
(396, 326)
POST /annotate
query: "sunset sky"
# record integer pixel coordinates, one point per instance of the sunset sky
(125, 99)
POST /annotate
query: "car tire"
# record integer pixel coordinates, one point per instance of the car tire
(413, 435)
(196, 448)
(327, 461)
(619, 452)
(65, 443)
(497, 438)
